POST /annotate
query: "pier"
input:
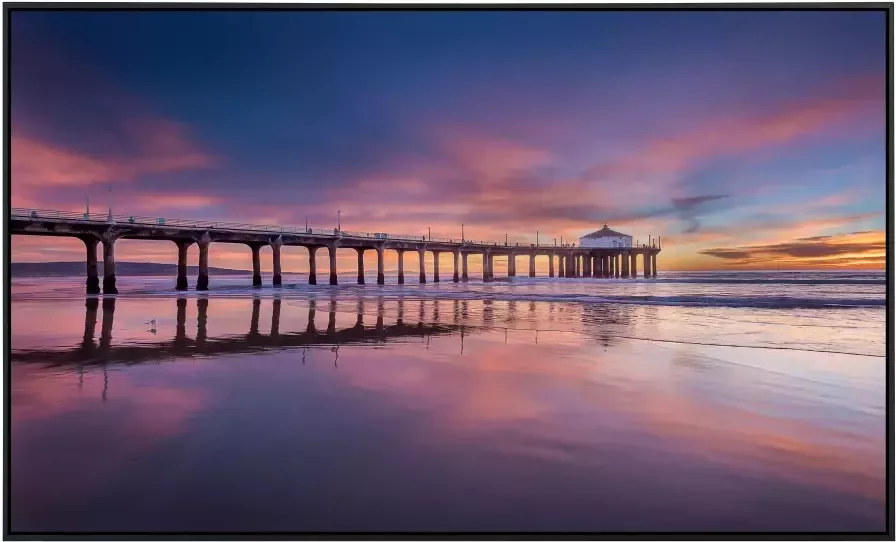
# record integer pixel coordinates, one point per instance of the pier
(104, 230)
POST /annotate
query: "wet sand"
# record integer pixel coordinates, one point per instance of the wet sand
(426, 415)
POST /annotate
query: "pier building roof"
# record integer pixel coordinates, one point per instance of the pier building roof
(604, 232)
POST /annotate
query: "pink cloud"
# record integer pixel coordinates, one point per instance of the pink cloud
(166, 202)
(161, 147)
(738, 132)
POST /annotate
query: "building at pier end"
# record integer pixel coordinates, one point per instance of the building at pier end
(605, 238)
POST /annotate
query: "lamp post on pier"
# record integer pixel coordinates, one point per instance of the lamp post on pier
(339, 220)
(109, 218)
(461, 233)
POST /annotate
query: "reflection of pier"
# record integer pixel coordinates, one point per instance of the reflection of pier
(104, 352)
(414, 321)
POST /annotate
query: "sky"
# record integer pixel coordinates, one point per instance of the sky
(745, 140)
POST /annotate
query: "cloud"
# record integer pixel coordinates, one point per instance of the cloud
(674, 155)
(687, 209)
(823, 250)
(167, 202)
(109, 135)
(160, 147)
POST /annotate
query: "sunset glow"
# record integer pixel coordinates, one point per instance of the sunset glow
(744, 140)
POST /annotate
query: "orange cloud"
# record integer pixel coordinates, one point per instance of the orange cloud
(817, 251)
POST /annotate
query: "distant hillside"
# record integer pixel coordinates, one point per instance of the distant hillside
(132, 269)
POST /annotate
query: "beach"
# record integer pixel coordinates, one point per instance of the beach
(693, 402)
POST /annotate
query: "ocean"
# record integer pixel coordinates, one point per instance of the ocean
(722, 401)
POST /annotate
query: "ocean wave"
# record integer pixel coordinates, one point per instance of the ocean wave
(418, 292)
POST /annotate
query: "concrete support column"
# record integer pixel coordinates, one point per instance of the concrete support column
(646, 265)
(93, 273)
(532, 264)
(587, 264)
(181, 283)
(625, 260)
(487, 266)
(275, 250)
(618, 258)
(551, 265)
(653, 265)
(256, 265)
(331, 249)
(360, 252)
(612, 265)
(511, 265)
(595, 266)
(570, 266)
(577, 271)
(312, 265)
(202, 280)
(422, 253)
(634, 270)
(400, 266)
(380, 265)
(109, 265)
(465, 267)
(561, 263)
(435, 265)
(456, 277)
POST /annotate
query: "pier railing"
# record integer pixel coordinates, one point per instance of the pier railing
(97, 218)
